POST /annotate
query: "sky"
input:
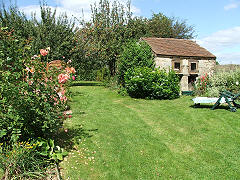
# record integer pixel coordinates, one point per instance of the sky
(216, 22)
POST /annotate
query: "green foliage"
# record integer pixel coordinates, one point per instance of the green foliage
(134, 54)
(201, 85)
(160, 26)
(33, 96)
(22, 161)
(17, 21)
(30, 105)
(143, 82)
(166, 27)
(48, 149)
(103, 74)
(100, 40)
(221, 81)
(138, 27)
(51, 30)
(212, 85)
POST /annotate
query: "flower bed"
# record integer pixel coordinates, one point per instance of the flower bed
(33, 96)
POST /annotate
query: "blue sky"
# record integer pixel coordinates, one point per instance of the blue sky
(216, 22)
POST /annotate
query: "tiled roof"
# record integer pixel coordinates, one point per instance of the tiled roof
(177, 47)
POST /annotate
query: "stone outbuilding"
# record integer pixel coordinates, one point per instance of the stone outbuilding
(186, 57)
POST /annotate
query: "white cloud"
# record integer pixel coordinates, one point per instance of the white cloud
(225, 44)
(222, 39)
(77, 9)
(74, 8)
(232, 5)
(85, 5)
(29, 10)
(82, 7)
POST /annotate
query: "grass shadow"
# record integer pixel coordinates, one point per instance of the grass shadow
(209, 106)
(87, 83)
(69, 137)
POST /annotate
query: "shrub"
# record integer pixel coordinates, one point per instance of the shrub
(32, 97)
(135, 54)
(201, 85)
(220, 81)
(143, 82)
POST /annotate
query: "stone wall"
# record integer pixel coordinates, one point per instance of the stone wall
(163, 63)
(204, 66)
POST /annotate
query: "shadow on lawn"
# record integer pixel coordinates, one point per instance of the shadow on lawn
(87, 84)
(69, 137)
(209, 106)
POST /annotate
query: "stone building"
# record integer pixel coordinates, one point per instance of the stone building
(186, 57)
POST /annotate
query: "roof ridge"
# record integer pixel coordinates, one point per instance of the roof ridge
(168, 38)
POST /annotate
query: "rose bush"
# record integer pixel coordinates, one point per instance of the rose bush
(31, 97)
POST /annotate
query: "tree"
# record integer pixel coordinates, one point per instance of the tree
(134, 54)
(137, 27)
(165, 27)
(16, 21)
(51, 30)
(56, 32)
(103, 37)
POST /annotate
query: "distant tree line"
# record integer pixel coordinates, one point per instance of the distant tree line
(95, 46)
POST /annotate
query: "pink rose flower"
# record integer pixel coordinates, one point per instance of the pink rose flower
(43, 52)
(73, 78)
(62, 78)
(63, 98)
(61, 93)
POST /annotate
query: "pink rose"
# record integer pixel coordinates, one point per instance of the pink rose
(63, 98)
(61, 93)
(62, 78)
(73, 78)
(43, 52)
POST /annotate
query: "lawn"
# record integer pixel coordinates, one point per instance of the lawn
(116, 137)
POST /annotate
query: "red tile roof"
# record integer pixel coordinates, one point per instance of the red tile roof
(177, 47)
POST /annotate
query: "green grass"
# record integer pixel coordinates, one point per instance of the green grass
(116, 137)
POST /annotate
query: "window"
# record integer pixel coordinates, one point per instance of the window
(176, 65)
(193, 66)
